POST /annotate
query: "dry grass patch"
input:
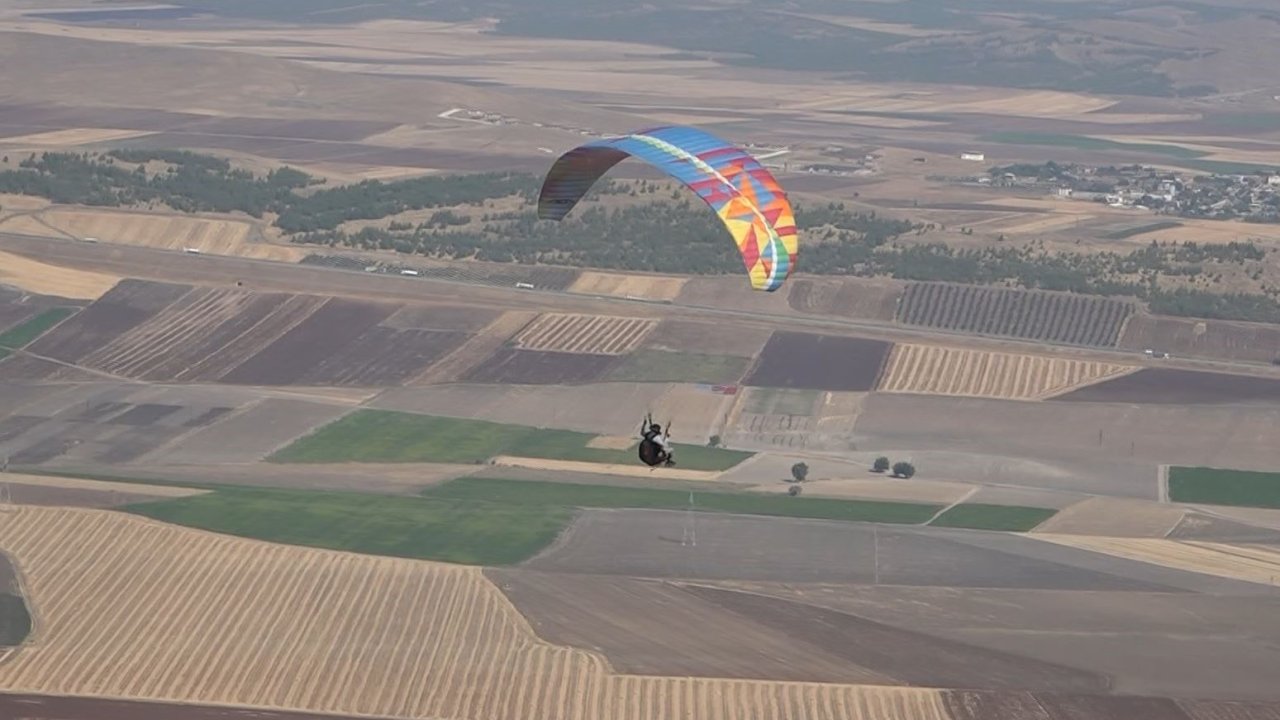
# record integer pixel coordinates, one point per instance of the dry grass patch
(1115, 517)
(1250, 563)
(44, 279)
(68, 483)
(618, 285)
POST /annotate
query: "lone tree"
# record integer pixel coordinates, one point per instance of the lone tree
(800, 471)
(794, 490)
(715, 441)
(881, 464)
(903, 469)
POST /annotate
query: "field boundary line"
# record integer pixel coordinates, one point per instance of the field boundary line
(959, 501)
(1162, 486)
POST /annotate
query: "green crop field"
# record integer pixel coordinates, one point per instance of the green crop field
(663, 366)
(1213, 486)
(533, 494)
(459, 531)
(385, 436)
(980, 516)
(24, 334)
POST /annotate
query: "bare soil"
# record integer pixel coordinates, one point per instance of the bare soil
(668, 630)
(819, 362)
(532, 367)
(326, 331)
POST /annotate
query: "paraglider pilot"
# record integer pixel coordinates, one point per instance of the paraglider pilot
(655, 447)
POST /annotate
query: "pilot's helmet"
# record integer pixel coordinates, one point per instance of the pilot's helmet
(655, 428)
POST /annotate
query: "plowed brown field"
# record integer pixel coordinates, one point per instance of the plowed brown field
(978, 373)
(134, 608)
(593, 334)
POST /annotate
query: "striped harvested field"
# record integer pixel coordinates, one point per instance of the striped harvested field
(138, 609)
(1028, 314)
(590, 334)
(1251, 563)
(191, 317)
(937, 370)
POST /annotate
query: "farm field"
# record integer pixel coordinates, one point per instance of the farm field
(933, 369)
(858, 299)
(386, 436)
(92, 423)
(619, 285)
(261, 590)
(334, 325)
(129, 304)
(1214, 486)
(1160, 386)
(804, 641)
(1032, 315)
(169, 232)
(1239, 561)
(47, 279)
(674, 367)
(646, 543)
(599, 408)
(788, 419)
(587, 334)
(26, 331)
(432, 528)
(707, 338)
(669, 630)
(78, 492)
(1091, 448)
(1189, 337)
(1115, 517)
(250, 434)
(1090, 631)
(979, 516)
(532, 367)
(532, 493)
(819, 362)
(158, 332)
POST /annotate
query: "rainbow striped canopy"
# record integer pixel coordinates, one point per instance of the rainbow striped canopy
(748, 199)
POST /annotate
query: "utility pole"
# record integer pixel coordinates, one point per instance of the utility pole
(689, 538)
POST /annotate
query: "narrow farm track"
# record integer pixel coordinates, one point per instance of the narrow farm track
(132, 608)
(937, 370)
(590, 334)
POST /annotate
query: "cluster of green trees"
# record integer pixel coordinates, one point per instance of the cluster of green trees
(901, 469)
(662, 235)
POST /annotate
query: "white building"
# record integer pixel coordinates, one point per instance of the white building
(975, 156)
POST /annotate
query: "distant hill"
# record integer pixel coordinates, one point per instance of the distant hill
(1131, 47)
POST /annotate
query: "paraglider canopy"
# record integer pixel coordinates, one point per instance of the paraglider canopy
(746, 196)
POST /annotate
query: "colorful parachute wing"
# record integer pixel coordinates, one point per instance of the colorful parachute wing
(746, 196)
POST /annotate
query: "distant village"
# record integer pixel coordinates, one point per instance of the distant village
(1252, 198)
